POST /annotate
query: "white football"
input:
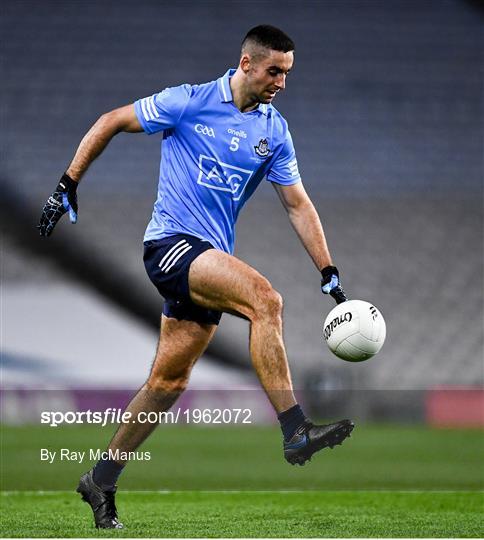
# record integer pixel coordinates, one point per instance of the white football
(355, 330)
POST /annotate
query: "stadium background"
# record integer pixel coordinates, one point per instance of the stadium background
(385, 108)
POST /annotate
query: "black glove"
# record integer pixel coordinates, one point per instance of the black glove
(64, 199)
(330, 284)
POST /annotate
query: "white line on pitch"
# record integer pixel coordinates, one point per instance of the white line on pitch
(252, 491)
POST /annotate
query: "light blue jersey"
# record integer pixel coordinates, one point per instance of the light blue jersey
(213, 159)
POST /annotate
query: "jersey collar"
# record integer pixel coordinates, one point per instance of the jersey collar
(226, 93)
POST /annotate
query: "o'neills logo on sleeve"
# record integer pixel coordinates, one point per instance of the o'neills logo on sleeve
(338, 321)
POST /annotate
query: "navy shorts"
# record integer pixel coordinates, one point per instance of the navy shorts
(167, 262)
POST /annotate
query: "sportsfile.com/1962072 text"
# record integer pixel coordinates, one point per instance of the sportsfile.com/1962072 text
(117, 416)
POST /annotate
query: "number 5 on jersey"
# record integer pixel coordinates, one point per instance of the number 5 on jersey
(234, 144)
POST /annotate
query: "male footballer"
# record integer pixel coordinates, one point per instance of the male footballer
(220, 139)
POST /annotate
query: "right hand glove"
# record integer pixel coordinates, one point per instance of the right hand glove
(64, 199)
(331, 285)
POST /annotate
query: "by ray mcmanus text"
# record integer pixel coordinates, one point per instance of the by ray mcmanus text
(93, 454)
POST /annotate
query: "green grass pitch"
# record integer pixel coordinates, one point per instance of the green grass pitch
(386, 481)
(252, 514)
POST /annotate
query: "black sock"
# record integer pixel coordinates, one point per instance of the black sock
(290, 420)
(106, 473)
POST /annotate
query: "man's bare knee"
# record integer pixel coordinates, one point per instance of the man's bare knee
(175, 384)
(171, 372)
(269, 303)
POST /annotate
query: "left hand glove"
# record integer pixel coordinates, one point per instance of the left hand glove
(64, 199)
(331, 285)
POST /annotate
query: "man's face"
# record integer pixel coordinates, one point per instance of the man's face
(266, 75)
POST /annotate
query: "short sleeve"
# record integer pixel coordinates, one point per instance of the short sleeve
(163, 110)
(284, 170)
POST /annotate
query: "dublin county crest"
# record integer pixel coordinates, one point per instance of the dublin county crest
(262, 149)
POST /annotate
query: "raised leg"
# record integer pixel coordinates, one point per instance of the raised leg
(222, 282)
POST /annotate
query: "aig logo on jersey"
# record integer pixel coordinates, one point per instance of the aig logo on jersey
(222, 176)
(205, 130)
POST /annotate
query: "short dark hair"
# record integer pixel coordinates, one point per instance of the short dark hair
(269, 37)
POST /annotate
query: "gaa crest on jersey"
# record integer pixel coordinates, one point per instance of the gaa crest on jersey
(262, 149)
